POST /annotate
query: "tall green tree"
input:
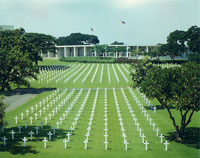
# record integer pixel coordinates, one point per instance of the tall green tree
(136, 52)
(38, 43)
(16, 65)
(193, 39)
(177, 86)
(78, 39)
(2, 110)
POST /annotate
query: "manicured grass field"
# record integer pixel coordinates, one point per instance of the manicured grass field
(82, 101)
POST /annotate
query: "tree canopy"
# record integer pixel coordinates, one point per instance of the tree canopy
(178, 41)
(176, 86)
(16, 65)
(78, 39)
(38, 43)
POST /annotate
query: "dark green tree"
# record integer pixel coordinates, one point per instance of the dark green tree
(78, 39)
(16, 65)
(2, 110)
(136, 52)
(38, 43)
(176, 86)
(193, 39)
(117, 43)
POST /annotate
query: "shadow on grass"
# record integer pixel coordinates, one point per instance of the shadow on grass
(23, 91)
(158, 107)
(16, 146)
(191, 137)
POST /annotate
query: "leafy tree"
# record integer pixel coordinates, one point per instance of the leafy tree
(38, 43)
(14, 58)
(193, 39)
(2, 110)
(117, 43)
(177, 86)
(100, 49)
(136, 52)
(78, 39)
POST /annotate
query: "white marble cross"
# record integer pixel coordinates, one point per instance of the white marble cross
(45, 142)
(106, 144)
(27, 111)
(161, 138)
(126, 145)
(36, 128)
(154, 109)
(143, 136)
(153, 126)
(45, 120)
(40, 111)
(166, 144)
(68, 136)
(157, 130)
(16, 118)
(53, 111)
(22, 115)
(31, 120)
(20, 127)
(31, 134)
(44, 108)
(140, 132)
(25, 140)
(41, 124)
(36, 116)
(54, 130)
(4, 140)
(49, 134)
(25, 124)
(65, 141)
(85, 142)
(36, 106)
(13, 134)
(87, 135)
(57, 123)
(32, 109)
(146, 144)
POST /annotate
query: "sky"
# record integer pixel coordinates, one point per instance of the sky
(148, 22)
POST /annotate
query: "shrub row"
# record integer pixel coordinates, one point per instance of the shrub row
(116, 60)
(88, 59)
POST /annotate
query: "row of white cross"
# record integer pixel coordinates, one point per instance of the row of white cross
(74, 123)
(108, 73)
(101, 77)
(66, 75)
(106, 120)
(86, 76)
(80, 74)
(116, 76)
(148, 118)
(91, 119)
(93, 77)
(121, 121)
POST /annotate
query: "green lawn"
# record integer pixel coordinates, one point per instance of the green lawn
(96, 148)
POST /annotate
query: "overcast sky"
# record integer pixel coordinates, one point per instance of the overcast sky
(148, 22)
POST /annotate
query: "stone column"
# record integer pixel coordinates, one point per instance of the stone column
(84, 49)
(127, 52)
(74, 51)
(65, 52)
(147, 49)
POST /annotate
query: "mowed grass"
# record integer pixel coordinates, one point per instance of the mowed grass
(75, 72)
(96, 147)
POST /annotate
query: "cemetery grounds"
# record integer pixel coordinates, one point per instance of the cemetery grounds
(89, 110)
